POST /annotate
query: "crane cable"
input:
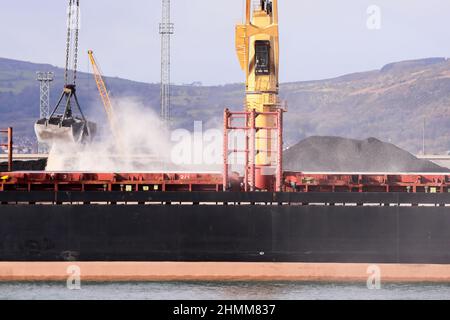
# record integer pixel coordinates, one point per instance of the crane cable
(72, 51)
(75, 66)
(69, 21)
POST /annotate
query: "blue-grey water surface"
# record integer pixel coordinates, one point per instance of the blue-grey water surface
(221, 291)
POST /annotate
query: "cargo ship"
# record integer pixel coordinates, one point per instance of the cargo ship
(264, 215)
(359, 218)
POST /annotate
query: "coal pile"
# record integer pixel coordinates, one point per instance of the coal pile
(348, 155)
(37, 165)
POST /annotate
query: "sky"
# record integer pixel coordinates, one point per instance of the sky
(319, 38)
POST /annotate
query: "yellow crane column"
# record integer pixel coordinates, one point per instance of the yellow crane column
(257, 46)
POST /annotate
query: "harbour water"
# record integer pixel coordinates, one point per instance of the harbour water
(222, 291)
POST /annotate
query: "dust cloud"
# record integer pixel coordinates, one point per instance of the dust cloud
(140, 143)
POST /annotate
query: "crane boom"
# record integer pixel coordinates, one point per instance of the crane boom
(104, 95)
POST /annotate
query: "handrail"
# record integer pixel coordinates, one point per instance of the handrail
(9, 145)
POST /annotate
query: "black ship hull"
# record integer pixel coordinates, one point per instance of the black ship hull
(353, 228)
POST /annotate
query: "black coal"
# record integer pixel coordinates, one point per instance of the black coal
(35, 165)
(348, 155)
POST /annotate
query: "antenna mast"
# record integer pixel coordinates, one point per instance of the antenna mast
(44, 78)
(166, 29)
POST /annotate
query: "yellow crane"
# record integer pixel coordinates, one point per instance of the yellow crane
(103, 91)
(106, 100)
(257, 47)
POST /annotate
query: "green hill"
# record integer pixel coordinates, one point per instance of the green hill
(389, 104)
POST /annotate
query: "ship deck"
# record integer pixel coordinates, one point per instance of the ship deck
(296, 183)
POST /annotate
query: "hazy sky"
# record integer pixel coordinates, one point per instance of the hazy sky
(319, 38)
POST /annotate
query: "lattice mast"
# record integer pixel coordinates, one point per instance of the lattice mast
(44, 78)
(166, 29)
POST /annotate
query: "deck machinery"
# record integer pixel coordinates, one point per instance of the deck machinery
(257, 47)
(262, 215)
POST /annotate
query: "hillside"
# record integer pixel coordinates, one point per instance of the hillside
(389, 104)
